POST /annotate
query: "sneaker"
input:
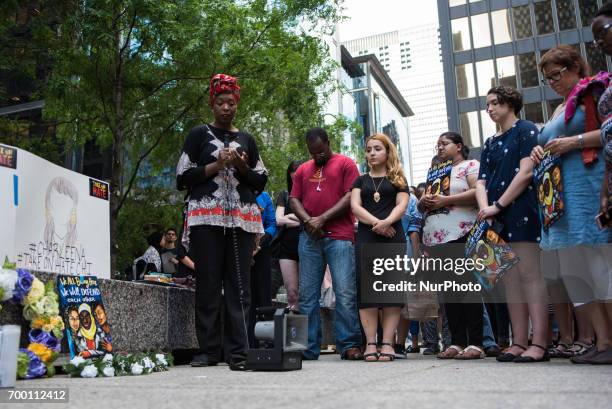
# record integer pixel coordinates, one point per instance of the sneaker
(413, 350)
(400, 351)
(492, 351)
(431, 350)
(201, 360)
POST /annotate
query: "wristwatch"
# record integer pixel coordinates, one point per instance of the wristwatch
(581, 141)
(499, 206)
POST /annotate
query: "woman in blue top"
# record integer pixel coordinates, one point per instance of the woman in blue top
(585, 262)
(504, 192)
(261, 275)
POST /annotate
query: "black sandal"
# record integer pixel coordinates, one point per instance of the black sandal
(528, 359)
(365, 356)
(508, 357)
(384, 354)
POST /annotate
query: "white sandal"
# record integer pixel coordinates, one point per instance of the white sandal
(462, 355)
(455, 347)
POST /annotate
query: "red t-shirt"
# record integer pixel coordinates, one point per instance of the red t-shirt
(334, 180)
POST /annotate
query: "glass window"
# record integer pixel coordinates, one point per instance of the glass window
(506, 72)
(461, 34)
(480, 30)
(566, 14)
(595, 58)
(533, 112)
(544, 18)
(469, 128)
(522, 22)
(501, 26)
(465, 81)
(488, 126)
(551, 105)
(528, 68)
(452, 3)
(588, 9)
(485, 75)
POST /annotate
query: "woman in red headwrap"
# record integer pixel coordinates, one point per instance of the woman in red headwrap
(222, 171)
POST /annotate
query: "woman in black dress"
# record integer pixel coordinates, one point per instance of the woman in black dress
(289, 235)
(378, 200)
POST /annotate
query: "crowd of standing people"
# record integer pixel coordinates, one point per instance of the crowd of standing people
(330, 213)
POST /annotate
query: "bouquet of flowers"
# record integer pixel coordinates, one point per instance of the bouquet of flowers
(41, 307)
(118, 365)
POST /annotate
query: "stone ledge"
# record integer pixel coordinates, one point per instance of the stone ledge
(145, 316)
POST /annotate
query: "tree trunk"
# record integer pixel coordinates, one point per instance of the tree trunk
(118, 142)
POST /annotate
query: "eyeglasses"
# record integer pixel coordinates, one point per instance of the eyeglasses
(599, 39)
(554, 77)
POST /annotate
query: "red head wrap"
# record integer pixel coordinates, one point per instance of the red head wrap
(224, 84)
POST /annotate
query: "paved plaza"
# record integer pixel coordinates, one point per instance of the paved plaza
(419, 382)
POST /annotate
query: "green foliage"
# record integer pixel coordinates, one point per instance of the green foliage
(133, 75)
(147, 211)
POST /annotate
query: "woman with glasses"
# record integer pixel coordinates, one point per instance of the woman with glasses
(505, 195)
(574, 242)
(445, 233)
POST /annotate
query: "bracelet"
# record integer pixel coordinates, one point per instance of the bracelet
(581, 141)
(498, 205)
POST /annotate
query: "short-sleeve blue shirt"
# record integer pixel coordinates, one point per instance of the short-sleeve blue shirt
(499, 164)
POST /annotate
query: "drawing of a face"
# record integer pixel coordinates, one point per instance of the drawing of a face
(73, 320)
(435, 187)
(556, 175)
(548, 189)
(61, 200)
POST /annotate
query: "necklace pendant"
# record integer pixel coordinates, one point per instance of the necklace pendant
(376, 197)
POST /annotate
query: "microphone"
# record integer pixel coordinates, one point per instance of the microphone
(226, 141)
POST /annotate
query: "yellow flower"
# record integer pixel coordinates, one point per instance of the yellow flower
(38, 323)
(47, 327)
(57, 321)
(44, 353)
(36, 292)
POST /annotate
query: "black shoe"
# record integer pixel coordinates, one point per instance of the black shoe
(237, 363)
(413, 350)
(528, 359)
(508, 357)
(492, 351)
(201, 360)
(431, 350)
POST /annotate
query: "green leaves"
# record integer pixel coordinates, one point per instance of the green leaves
(132, 75)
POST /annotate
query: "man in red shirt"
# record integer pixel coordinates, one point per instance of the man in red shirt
(320, 198)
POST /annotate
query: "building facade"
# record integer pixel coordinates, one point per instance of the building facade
(367, 96)
(492, 42)
(412, 58)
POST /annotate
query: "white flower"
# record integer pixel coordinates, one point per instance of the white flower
(161, 359)
(8, 278)
(108, 358)
(109, 371)
(136, 369)
(36, 292)
(147, 362)
(90, 371)
(77, 360)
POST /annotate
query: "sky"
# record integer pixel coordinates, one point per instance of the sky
(367, 17)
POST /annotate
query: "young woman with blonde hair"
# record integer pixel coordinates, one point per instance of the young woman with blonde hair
(378, 200)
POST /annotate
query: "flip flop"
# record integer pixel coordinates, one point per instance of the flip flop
(462, 355)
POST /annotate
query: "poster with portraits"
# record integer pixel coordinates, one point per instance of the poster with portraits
(438, 183)
(88, 330)
(54, 220)
(484, 243)
(549, 187)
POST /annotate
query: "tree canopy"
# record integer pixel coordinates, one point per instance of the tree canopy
(133, 76)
